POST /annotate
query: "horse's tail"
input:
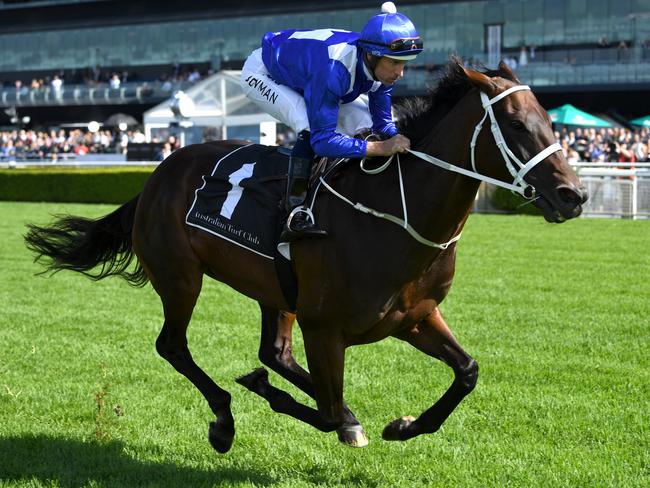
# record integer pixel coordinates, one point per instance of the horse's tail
(81, 244)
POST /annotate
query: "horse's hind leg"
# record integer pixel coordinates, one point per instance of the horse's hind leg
(276, 353)
(325, 354)
(433, 337)
(178, 295)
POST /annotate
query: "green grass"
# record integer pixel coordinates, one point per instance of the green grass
(558, 318)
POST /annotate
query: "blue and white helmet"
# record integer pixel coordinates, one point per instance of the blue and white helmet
(391, 35)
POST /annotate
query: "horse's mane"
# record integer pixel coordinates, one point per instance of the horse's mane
(416, 115)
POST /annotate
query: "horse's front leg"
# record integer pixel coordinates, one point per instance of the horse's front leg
(433, 337)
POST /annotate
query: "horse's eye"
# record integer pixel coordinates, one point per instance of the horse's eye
(517, 125)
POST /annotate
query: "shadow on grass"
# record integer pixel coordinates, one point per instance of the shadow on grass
(72, 463)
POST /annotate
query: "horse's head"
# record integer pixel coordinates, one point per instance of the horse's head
(527, 150)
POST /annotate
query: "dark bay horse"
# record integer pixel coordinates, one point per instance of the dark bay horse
(368, 280)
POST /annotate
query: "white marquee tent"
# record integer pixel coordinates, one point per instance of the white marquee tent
(217, 101)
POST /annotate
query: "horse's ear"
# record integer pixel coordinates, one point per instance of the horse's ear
(509, 73)
(481, 81)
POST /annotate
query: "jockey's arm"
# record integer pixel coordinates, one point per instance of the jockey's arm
(323, 100)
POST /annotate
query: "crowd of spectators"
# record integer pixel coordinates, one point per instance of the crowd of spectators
(113, 78)
(55, 144)
(612, 145)
(63, 144)
(179, 74)
(579, 144)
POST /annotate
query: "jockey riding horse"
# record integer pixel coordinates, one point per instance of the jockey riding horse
(328, 85)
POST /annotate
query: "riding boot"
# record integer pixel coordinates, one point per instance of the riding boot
(300, 224)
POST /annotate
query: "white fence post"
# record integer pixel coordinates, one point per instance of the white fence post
(635, 198)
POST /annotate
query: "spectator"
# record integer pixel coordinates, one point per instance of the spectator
(115, 81)
(81, 149)
(165, 151)
(613, 152)
(594, 153)
(639, 148)
(565, 147)
(167, 84)
(194, 76)
(523, 56)
(626, 155)
(57, 85)
(623, 52)
(573, 156)
(138, 137)
(8, 150)
(20, 88)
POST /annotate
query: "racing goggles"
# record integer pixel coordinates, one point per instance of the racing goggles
(401, 45)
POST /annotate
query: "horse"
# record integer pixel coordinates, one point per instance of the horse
(369, 279)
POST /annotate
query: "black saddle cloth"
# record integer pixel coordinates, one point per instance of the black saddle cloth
(240, 201)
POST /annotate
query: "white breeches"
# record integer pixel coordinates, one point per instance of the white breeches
(288, 106)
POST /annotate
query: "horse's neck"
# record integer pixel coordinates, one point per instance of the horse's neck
(447, 196)
(438, 201)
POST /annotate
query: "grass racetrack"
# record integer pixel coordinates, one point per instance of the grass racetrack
(557, 316)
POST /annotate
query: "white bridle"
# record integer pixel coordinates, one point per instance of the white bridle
(518, 185)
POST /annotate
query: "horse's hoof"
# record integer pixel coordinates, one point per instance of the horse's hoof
(221, 437)
(252, 380)
(352, 435)
(397, 430)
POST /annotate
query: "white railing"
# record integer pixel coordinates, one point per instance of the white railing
(620, 190)
(616, 189)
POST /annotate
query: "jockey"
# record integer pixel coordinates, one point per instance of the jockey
(316, 83)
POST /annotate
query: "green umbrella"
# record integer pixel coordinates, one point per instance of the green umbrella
(569, 115)
(642, 121)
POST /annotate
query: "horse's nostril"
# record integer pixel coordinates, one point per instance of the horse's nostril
(584, 194)
(571, 196)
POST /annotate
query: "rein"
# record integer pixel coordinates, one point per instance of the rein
(517, 186)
